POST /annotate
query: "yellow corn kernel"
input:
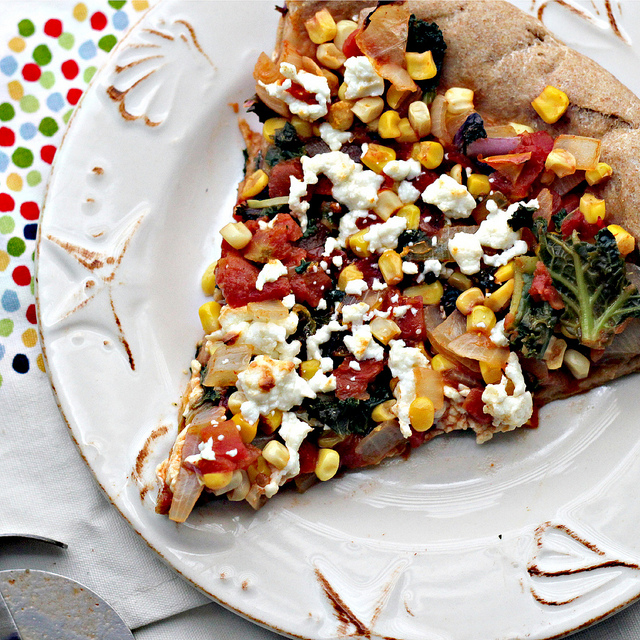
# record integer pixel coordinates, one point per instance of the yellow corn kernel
(428, 153)
(368, 109)
(421, 413)
(599, 174)
(349, 273)
(358, 244)
(499, 299)
(382, 412)
(407, 134)
(491, 374)
(270, 127)
(209, 313)
(505, 272)
(388, 125)
(217, 480)
(330, 56)
(420, 66)
(208, 281)
(625, 241)
(328, 464)
(276, 453)
(395, 96)
(390, 264)
(344, 28)
(340, 116)
(460, 281)
(330, 439)
(271, 421)
(259, 466)
(235, 401)
(551, 104)
(456, 173)
(521, 128)
(577, 363)
(236, 234)
(554, 353)
(411, 213)
(561, 162)
(254, 184)
(469, 299)
(430, 293)
(247, 430)
(309, 368)
(592, 208)
(481, 319)
(384, 329)
(388, 203)
(420, 118)
(303, 128)
(478, 185)
(321, 27)
(441, 363)
(342, 92)
(459, 100)
(377, 157)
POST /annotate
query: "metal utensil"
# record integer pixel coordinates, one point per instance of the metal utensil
(28, 536)
(8, 629)
(47, 605)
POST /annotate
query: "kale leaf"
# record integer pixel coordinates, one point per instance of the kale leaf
(557, 219)
(255, 105)
(426, 36)
(287, 146)
(302, 267)
(411, 236)
(592, 281)
(472, 129)
(522, 217)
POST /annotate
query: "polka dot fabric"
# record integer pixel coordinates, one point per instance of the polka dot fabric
(46, 63)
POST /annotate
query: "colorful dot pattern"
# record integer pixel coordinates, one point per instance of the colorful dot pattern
(45, 66)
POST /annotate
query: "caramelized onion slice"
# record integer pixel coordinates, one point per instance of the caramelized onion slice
(585, 150)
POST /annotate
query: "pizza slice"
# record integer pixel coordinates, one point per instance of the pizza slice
(435, 232)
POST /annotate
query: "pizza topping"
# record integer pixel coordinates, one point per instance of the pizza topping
(361, 79)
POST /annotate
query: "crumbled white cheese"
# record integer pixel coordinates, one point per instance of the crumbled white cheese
(354, 313)
(206, 452)
(356, 287)
(330, 245)
(289, 301)
(378, 285)
(381, 237)
(317, 85)
(508, 411)
(498, 336)
(407, 193)
(322, 383)
(451, 197)
(401, 310)
(409, 267)
(322, 305)
(362, 344)
(322, 335)
(333, 137)
(361, 79)
(271, 384)
(429, 266)
(355, 365)
(403, 169)
(271, 271)
(337, 261)
(466, 250)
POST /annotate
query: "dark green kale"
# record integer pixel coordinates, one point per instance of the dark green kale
(592, 282)
(302, 267)
(522, 217)
(558, 218)
(412, 236)
(426, 36)
(249, 213)
(287, 146)
(255, 105)
(449, 297)
(472, 129)
(484, 279)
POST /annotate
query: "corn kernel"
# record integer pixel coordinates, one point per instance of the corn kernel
(330, 56)
(481, 319)
(349, 273)
(599, 174)
(456, 173)
(358, 244)
(460, 281)
(390, 264)
(521, 128)
(259, 466)
(469, 299)
(441, 363)
(421, 413)
(384, 329)
(276, 453)
(407, 134)
(241, 491)
(236, 234)
(491, 374)
(247, 430)
(235, 401)
(561, 162)
(505, 272)
(344, 28)
(328, 464)
(411, 213)
(388, 203)
(303, 128)
(271, 421)
(420, 118)
(478, 185)
(377, 157)
(420, 66)
(208, 281)
(217, 480)
(382, 411)
(592, 208)
(551, 104)
(270, 127)
(428, 153)
(330, 439)
(459, 100)
(209, 313)
(499, 299)
(254, 184)
(625, 241)
(430, 293)
(388, 125)
(340, 116)
(342, 91)
(577, 363)
(396, 96)
(368, 109)
(321, 27)
(309, 368)
(554, 353)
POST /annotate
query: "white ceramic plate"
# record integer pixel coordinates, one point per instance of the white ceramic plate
(531, 535)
